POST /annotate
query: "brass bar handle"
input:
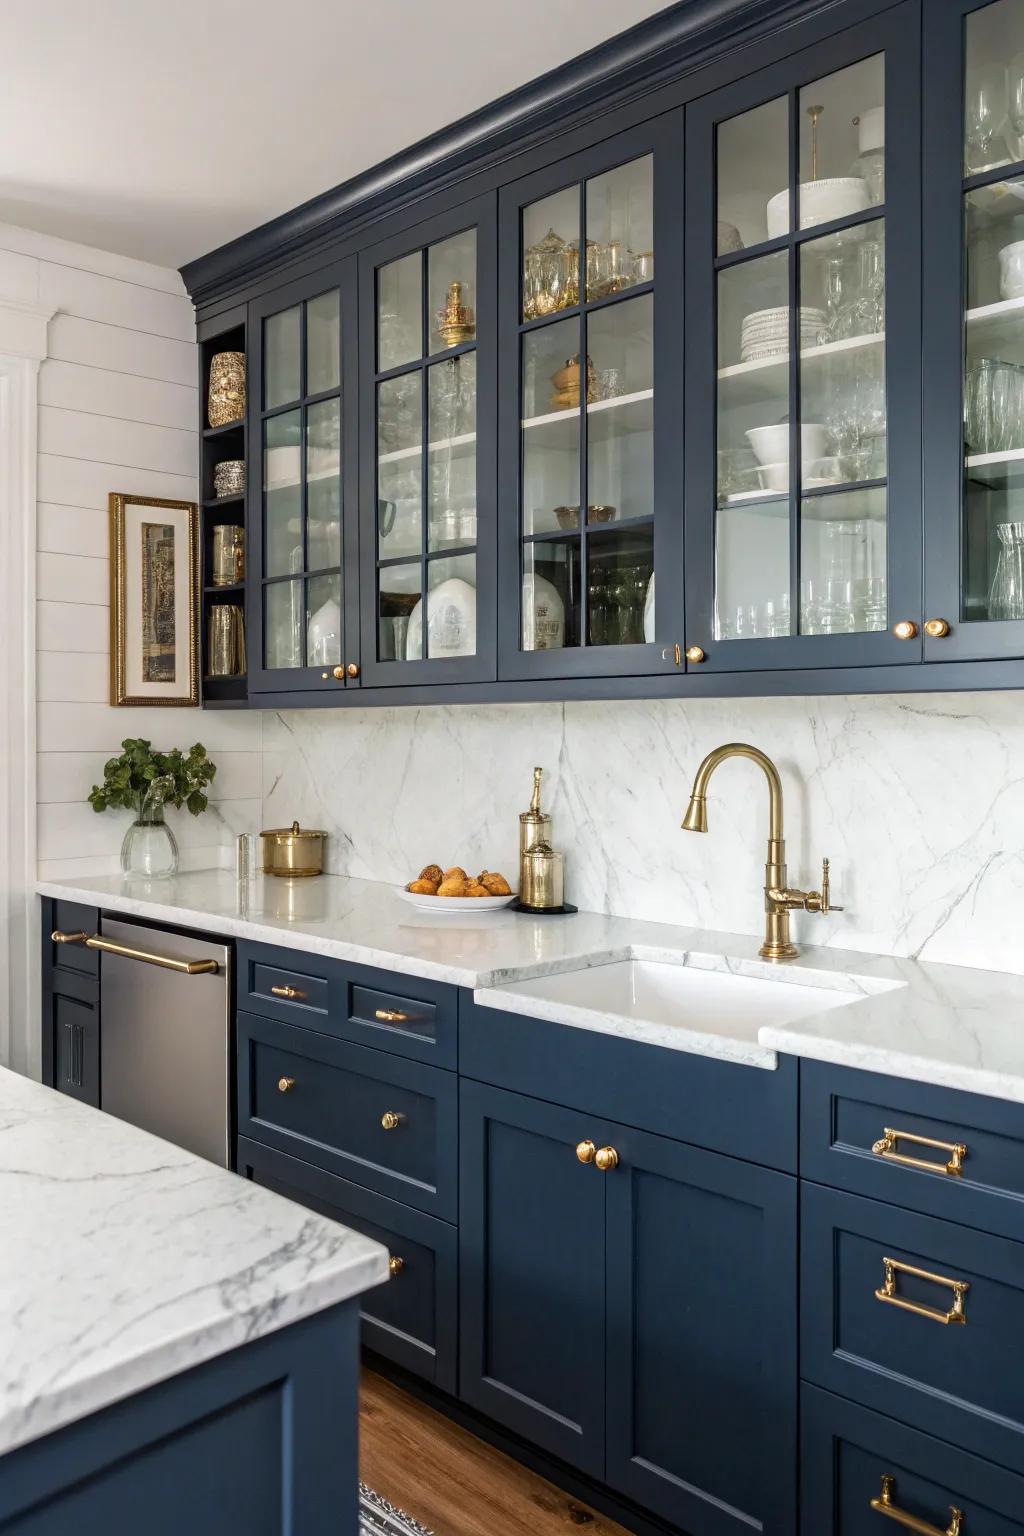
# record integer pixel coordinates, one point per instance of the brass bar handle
(884, 1505)
(110, 947)
(396, 1264)
(391, 1016)
(291, 993)
(886, 1147)
(390, 1120)
(887, 1292)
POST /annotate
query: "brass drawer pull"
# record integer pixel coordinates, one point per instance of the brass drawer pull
(285, 1084)
(391, 1016)
(887, 1292)
(396, 1264)
(291, 993)
(884, 1505)
(956, 1149)
(390, 1120)
(109, 947)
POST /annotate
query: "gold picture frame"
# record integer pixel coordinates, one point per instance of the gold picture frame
(154, 601)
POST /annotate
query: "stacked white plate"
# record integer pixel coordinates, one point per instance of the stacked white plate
(765, 333)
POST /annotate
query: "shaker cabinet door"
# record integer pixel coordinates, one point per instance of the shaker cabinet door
(974, 330)
(701, 1337)
(428, 370)
(302, 599)
(531, 1272)
(590, 468)
(803, 442)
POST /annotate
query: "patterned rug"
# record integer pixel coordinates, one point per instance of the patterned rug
(379, 1518)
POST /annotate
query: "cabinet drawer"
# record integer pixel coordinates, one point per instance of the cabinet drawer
(874, 1330)
(405, 1015)
(846, 1115)
(411, 1319)
(846, 1451)
(388, 1124)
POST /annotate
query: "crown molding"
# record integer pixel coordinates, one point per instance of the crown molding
(23, 329)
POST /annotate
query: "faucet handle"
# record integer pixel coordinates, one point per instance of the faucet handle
(820, 901)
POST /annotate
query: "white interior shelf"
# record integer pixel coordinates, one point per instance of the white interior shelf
(462, 446)
(605, 418)
(997, 330)
(996, 469)
(746, 383)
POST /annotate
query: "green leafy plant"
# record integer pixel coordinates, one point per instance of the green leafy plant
(142, 780)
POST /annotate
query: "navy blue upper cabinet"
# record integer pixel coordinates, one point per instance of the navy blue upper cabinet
(590, 468)
(428, 359)
(974, 329)
(303, 598)
(803, 526)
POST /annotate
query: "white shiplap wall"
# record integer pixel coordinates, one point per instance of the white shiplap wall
(117, 412)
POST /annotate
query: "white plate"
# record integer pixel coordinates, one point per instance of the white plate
(454, 905)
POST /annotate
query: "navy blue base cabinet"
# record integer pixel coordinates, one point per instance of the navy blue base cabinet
(636, 1320)
(262, 1441)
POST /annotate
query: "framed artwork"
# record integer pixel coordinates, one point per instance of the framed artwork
(154, 601)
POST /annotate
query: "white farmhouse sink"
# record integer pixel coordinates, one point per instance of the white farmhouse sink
(692, 1005)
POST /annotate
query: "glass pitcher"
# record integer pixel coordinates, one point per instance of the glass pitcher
(1006, 594)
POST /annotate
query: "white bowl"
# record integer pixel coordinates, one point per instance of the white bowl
(774, 477)
(1011, 270)
(771, 444)
(820, 201)
(458, 906)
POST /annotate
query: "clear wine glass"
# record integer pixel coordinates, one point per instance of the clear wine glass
(1015, 102)
(985, 114)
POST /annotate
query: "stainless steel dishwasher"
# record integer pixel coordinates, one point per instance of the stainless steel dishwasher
(165, 1037)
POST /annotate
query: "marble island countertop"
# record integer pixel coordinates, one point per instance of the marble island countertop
(955, 1026)
(125, 1260)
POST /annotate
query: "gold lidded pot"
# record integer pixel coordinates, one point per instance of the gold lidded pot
(456, 323)
(542, 881)
(226, 395)
(292, 851)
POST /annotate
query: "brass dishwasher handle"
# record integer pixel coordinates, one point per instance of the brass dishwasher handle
(391, 1016)
(884, 1505)
(887, 1292)
(886, 1147)
(289, 992)
(109, 947)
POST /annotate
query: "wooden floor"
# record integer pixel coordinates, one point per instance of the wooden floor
(452, 1482)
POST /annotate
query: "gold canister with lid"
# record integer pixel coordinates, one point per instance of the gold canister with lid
(542, 886)
(534, 826)
(293, 851)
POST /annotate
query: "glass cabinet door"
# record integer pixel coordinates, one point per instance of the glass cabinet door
(428, 523)
(584, 538)
(974, 333)
(802, 406)
(303, 637)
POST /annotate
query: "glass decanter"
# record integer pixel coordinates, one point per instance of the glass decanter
(1006, 594)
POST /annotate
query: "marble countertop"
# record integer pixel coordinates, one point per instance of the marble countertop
(124, 1260)
(955, 1026)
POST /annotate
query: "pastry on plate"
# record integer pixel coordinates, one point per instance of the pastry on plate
(423, 887)
(452, 885)
(432, 872)
(495, 884)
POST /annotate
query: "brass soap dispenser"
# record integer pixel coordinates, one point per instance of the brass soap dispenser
(534, 826)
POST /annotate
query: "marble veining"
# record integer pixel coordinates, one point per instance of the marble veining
(124, 1260)
(917, 799)
(958, 1026)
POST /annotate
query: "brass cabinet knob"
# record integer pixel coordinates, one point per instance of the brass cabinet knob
(906, 629)
(586, 1151)
(937, 629)
(352, 669)
(390, 1120)
(695, 653)
(338, 674)
(606, 1159)
(285, 1084)
(396, 1264)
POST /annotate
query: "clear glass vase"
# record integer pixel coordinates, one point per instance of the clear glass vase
(149, 850)
(1006, 594)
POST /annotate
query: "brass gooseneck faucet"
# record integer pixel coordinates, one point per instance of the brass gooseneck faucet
(779, 900)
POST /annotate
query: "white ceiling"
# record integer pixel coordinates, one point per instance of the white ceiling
(162, 128)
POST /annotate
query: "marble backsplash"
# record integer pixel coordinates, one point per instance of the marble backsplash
(918, 800)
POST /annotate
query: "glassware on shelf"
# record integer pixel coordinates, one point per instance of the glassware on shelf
(599, 614)
(1015, 103)
(1006, 594)
(994, 407)
(869, 165)
(542, 277)
(985, 113)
